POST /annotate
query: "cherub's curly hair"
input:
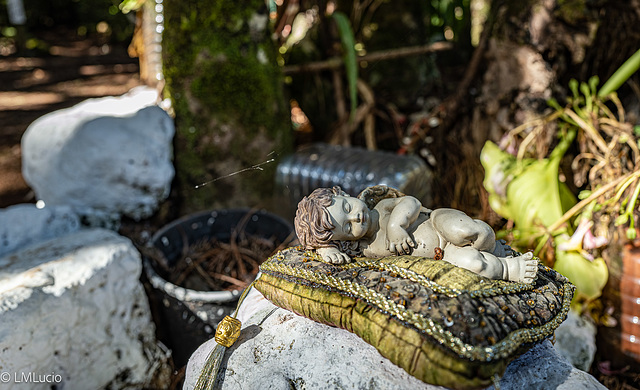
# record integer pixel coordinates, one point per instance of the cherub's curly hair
(313, 222)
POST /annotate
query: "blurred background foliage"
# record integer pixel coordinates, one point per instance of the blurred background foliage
(99, 18)
(308, 34)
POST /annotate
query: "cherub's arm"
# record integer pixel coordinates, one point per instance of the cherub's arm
(333, 255)
(402, 213)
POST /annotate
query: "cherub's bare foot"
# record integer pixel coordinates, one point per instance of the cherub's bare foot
(521, 268)
(333, 256)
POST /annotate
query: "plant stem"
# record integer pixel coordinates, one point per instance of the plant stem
(337, 62)
(632, 203)
(588, 200)
(589, 129)
(621, 75)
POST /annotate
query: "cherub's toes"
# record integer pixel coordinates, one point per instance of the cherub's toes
(335, 260)
(529, 276)
(344, 259)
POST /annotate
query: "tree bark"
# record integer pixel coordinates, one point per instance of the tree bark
(537, 46)
(531, 51)
(226, 90)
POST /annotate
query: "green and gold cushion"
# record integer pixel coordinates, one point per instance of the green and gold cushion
(443, 324)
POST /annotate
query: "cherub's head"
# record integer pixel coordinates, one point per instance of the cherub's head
(313, 221)
(329, 214)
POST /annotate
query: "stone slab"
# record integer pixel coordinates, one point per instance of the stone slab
(75, 314)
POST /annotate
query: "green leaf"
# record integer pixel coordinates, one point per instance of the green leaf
(573, 86)
(589, 277)
(130, 5)
(350, 62)
(554, 104)
(622, 219)
(584, 88)
(584, 194)
(534, 196)
(499, 168)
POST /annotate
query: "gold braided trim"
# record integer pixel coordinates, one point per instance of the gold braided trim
(501, 287)
(406, 274)
(500, 350)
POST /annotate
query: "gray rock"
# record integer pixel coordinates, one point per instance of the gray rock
(576, 340)
(75, 314)
(282, 350)
(112, 154)
(24, 224)
(543, 368)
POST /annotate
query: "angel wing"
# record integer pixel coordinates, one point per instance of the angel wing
(374, 194)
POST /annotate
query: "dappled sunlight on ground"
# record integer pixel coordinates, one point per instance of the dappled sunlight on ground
(34, 85)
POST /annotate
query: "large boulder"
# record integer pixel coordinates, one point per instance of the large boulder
(111, 154)
(24, 224)
(282, 350)
(75, 315)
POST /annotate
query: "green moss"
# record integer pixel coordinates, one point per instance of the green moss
(227, 92)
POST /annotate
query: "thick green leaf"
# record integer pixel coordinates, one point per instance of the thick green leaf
(589, 277)
(500, 168)
(535, 195)
(527, 192)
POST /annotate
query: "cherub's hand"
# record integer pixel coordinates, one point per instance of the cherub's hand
(333, 255)
(502, 249)
(399, 241)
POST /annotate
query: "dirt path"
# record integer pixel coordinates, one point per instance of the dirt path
(32, 86)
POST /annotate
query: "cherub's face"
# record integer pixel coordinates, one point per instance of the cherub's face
(350, 218)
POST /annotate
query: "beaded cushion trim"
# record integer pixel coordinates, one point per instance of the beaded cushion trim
(443, 324)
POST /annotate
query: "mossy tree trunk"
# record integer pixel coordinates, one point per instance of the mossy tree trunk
(226, 90)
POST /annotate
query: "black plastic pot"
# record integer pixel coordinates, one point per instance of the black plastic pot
(187, 318)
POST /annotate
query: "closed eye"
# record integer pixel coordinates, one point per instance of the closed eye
(347, 207)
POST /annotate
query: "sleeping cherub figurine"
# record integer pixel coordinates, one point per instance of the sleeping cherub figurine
(382, 221)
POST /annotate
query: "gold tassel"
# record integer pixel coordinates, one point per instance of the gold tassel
(227, 332)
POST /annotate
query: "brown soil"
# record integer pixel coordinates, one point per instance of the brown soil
(32, 85)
